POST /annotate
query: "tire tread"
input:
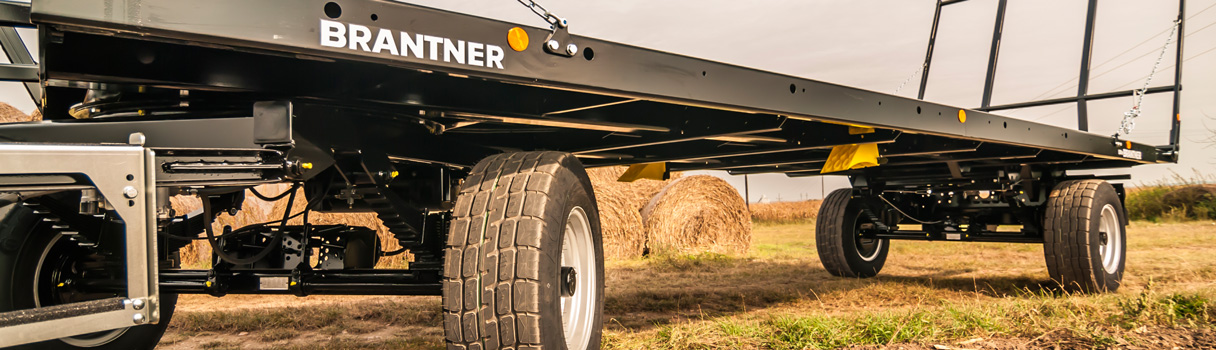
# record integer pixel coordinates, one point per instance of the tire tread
(499, 294)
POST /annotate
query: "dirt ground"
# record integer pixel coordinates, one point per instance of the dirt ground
(929, 296)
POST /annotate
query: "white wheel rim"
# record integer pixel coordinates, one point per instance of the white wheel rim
(876, 243)
(1110, 239)
(578, 310)
(864, 245)
(81, 341)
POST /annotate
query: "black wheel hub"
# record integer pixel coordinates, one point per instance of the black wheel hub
(569, 279)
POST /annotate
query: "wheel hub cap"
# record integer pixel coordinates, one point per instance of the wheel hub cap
(569, 281)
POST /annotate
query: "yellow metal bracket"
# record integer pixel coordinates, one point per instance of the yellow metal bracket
(858, 130)
(653, 171)
(855, 156)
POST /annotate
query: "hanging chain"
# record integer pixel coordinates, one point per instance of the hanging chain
(1129, 117)
(543, 13)
(909, 79)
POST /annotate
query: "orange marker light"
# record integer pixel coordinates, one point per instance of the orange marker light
(518, 38)
(1129, 144)
(962, 116)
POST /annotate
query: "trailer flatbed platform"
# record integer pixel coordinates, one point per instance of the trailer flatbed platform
(610, 104)
(468, 137)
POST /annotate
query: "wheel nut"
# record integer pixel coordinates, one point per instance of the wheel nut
(130, 192)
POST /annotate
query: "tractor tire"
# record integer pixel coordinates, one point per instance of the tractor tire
(27, 243)
(842, 252)
(524, 263)
(1084, 236)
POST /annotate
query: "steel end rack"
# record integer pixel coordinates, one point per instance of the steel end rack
(125, 175)
(424, 117)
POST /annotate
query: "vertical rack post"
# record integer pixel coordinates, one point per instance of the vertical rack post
(1176, 121)
(14, 48)
(1086, 57)
(924, 77)
(993, 53)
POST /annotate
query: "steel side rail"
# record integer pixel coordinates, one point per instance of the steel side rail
(294, 27)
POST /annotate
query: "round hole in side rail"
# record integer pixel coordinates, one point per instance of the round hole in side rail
(793, 88)
(588, 53)
(917, 109)
(375, 17)
(333, 10)
(703, 73)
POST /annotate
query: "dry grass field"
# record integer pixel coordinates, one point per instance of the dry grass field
(785, 212)
(929, 296)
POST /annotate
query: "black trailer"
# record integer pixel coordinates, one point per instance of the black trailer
(468, 137)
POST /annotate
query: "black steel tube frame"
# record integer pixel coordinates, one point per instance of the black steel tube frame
(332, 282)
(993, 237)
(21, 66)
(924, 77)
(1083, 80)
(1176, 121)
(994, 52)
(530, 84)
(1079, 99)
(1086, 51)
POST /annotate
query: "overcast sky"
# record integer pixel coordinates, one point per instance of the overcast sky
(877, 44)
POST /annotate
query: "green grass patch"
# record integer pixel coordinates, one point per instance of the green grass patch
(1176, 200)
(1097, 321)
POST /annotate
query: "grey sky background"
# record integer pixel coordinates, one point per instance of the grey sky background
(877, 44)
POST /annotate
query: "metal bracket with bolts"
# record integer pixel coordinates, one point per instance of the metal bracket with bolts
(560, 42)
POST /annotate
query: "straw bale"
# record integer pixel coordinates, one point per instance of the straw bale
(257, 211)
(10, 114)
(620, 204)
(697, 214)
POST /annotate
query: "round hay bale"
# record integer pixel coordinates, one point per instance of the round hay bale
(255, 210)
(697, 214)
(388, 242)
(10, 114)
(620, 223)
(620, 204)
(198, 253)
